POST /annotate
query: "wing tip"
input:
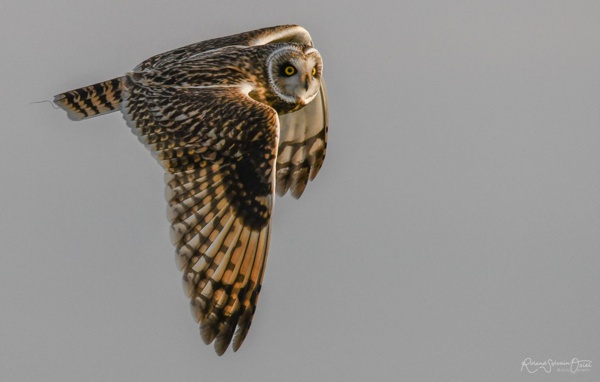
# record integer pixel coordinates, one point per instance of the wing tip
(243, 328)
(224, 337)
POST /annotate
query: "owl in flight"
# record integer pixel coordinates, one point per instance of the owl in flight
(232, 120)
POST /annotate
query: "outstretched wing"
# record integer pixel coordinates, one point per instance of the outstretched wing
(219, 149)
(302, 145)
(281, 33)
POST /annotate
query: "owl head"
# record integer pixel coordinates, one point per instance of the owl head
(295, 73)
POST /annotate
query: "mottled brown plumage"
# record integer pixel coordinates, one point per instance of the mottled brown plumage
(232, 120)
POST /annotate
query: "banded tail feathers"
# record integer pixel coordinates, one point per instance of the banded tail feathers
(89, 101)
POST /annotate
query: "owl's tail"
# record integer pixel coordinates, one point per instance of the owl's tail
(101, 98)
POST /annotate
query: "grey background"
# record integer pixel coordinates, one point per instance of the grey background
(452, 233)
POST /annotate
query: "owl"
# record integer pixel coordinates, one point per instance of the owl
(232, 120)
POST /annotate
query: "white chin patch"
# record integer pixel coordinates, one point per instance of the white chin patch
(307, 100)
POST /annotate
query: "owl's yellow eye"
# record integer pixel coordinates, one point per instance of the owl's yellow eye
(314, 71)
(289, 70)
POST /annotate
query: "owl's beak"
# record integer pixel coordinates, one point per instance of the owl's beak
(306, 83)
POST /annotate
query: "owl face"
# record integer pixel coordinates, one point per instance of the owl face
(295, 73)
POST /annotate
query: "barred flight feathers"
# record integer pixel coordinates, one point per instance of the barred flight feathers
(220, 185)
(222, 257)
